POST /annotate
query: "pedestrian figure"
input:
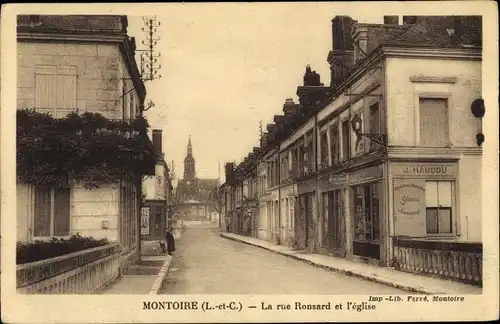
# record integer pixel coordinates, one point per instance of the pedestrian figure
(169, 238)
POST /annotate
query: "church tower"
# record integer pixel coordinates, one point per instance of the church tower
(189, 163)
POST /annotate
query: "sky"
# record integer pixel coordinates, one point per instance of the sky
(227, 67)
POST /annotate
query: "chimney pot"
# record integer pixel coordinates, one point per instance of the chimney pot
(409, 20)
(391, 20)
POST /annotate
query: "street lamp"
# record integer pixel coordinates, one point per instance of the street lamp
(357, 123)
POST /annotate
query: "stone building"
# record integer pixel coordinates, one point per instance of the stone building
(156, 209)
(195, 197)
(387, 158)
(79, 64)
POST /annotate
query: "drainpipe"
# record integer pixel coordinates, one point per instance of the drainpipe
(389, 251)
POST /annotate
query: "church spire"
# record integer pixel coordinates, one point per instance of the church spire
(189, 163)
(190, 147)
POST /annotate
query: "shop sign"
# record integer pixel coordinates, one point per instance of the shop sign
(424, 169)
(374, 172)
(145, 221)
(337, 178)
(409, 208)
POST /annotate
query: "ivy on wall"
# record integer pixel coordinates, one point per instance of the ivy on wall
(86, 147)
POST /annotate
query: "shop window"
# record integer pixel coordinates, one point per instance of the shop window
(52, 212)
(334, 144)
(366, 212)
(324, 149)
(346, 152)
(433, 122)
(438, 198)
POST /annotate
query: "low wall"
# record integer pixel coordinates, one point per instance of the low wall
(460, 261)
(82, 272)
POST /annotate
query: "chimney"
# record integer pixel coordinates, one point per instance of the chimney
(229, 170)
(290, 108)
(341, 58)
(409, 20)
(278, 119)
(391, 20)
(263, 140)
(157, 141)
(271, 127)
(312, 92)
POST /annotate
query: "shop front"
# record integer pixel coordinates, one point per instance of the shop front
(332, 231)
(365, 188)
(305, 229)
(424, 200)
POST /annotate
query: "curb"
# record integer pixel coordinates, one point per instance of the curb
(342, 271)
(158, 283)
(160, 279)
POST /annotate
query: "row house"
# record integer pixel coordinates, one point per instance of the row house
(388, 156)
(79, 64)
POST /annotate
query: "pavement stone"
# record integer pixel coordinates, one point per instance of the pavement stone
(384, 275)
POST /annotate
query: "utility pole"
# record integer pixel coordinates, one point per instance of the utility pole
(150, 61)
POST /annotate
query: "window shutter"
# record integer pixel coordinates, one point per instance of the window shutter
(433, 122)
(46, 87)
(42, 211)
(62, 213)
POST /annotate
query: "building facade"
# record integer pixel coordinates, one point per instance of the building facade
(388, 150)
(62, 69)
(156, 209)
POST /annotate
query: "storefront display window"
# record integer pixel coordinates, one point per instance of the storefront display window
(366, 212)
(438, 198)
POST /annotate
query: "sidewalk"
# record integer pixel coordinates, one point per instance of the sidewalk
(385, 275)
(139, 279)
(148, 276)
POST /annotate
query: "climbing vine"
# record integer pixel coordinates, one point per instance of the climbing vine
(86, 147)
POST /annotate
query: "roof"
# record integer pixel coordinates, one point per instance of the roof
(433, 31)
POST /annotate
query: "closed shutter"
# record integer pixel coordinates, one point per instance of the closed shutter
(433, 122)
(42, 211)
(46, 88)
(62, 212)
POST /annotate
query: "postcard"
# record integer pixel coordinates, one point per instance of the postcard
(249, 162)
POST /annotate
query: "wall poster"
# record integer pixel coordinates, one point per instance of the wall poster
(145, 221)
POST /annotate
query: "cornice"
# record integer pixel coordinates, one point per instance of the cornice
(432, 52)
(71, 37)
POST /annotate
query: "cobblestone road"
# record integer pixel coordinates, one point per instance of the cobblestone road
(207, 263)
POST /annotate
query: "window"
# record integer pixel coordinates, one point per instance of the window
(433, 122)
(374, 123)
(334, 143)
(438, 198)
(309, 154)
(294, 162)
(324, 149)
(301, 159)
(52, 212)
(55, 90)
(366, 212)
(345, 141)
(125, 108)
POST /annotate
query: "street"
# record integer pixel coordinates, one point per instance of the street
(204, 262)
